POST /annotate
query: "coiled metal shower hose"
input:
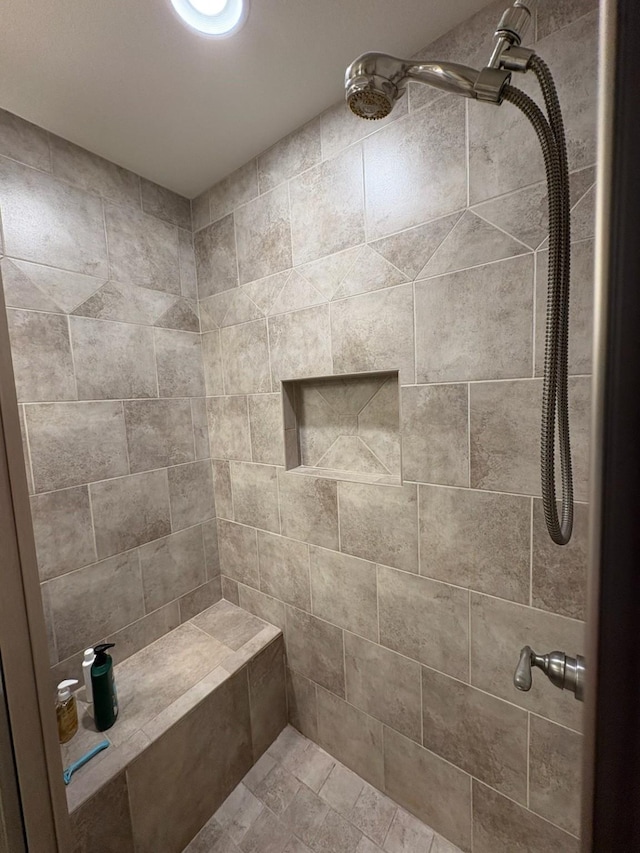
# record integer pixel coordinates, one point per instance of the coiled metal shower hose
(555, 400)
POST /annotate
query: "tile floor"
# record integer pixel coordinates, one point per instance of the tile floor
(298, 799)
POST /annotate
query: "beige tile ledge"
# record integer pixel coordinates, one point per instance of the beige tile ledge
(346, 476)
(161, 684)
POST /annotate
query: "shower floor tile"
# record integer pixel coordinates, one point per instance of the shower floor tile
(298, 799)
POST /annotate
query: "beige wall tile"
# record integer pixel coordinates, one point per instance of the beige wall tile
(145, 631)
(309, 509)
(216, 265)
(344, 591)
(130, 511)
(429, 174)
(300, 344)
(432, 789)
(50, 222)
(284, 569)
(352, 737)
(93, 173)
(301, 701)
(41, 355)
(502, 826)
(229, 435)
(483, 735)
(255, 495)
(425, 620)
(112, 360)
(263, 235)
(476, 539)
(553, 16)
(315, 649)
(172, 566)
(179, 363)
(222, 488)
(187, 261)
(238, 552)
(290, 156)
(380, 523)
(20, 140)
(63, 531)
(452, 345)
(261, 605)
(559, 574)
(375, 332)
(383, 684)
(211, 550)
(200, 422)
(90, 603)
(434, 429)
(245, 358)
(267, 696)
(195, 786)
(125, 303)
(555, 773)
(199, 599)
(73, 443)
(499, 630)
(236, 189)
(212, 363)
(327, 207)
(191, 494)
(339, 130)
(104, 822)
(267, 430)
(159, 433)
(165, 204)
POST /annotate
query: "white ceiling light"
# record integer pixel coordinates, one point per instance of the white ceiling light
(217, 18)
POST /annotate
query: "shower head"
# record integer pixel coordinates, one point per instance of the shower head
(375, 81)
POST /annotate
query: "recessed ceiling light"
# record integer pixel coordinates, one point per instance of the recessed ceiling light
(217, 18)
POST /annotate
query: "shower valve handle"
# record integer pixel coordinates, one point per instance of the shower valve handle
(565, 672)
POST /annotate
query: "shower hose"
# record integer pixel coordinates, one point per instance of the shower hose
(555, 401)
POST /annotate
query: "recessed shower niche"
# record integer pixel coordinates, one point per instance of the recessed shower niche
(344, 427)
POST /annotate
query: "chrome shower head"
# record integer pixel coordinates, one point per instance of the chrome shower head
(375, 81)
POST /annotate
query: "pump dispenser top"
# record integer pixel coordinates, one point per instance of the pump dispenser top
(66, 711)
(105, 697)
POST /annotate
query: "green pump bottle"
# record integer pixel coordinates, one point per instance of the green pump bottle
(105, 697)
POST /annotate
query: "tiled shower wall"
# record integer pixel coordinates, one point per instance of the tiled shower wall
(414, 244)
(100, 287)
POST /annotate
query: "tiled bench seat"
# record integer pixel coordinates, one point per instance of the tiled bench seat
(197, 709)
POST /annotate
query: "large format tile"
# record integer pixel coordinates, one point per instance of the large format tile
(374, 332)
(20, 140)
(179, 363)
(432, 789)
(172, 566)
(216, 264)
(129, 511)
(294, 154)
(425, 620)
(73, 443)
(499, 630)
(502, 826)
(380, 523)
(106, 826)
(159, 433)
(265, 420)
(351, 736)
(50, 222)
(263, 235)
(191, 494)
(229, 436)
(559, 574)
(476, 539)
(555, 771)
(212, 363)
(327, 207)
(236, 189)
(300, 344)
(284, 569)
(245, 358)
(344, 591)
(90, 603)
(194, 785)
(187, 260)
(315, 649)
(384, 684)
(63, 531)
(238, 552)
(309, 509)
(267, 696)
(125, 303)
(429, 174)
(142, 249)
(165, 204)
(93, 173)
(41, 356)
(230, 625)
(255, 495)
(434, 429)
(112, 360)
(340, 128)
(476, 324)
(45, 288)
(477, 732)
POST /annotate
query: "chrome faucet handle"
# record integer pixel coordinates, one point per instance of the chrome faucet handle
(565, 672)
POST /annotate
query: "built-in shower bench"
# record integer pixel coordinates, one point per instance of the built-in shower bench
(198, 707)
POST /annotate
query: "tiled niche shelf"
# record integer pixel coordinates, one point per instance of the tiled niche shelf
(344, 427)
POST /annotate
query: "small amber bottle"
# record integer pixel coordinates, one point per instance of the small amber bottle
(66, 711)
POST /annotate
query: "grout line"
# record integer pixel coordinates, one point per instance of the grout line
(531, 554)
(469, 432)
(528, 759)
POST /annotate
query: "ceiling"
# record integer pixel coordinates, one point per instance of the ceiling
(127, 80)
